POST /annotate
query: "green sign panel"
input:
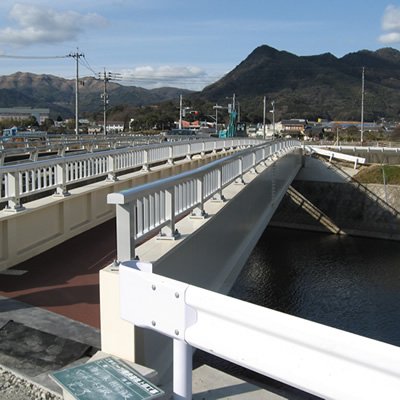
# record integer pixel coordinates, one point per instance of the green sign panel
(106, 379)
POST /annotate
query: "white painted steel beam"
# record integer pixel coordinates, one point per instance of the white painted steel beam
(318, 359)
(332, 154)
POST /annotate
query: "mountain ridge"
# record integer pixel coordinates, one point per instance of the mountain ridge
(311, 87)
(315, 86)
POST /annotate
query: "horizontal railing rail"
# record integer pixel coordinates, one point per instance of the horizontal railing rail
(22, 180)
(34, 146)
(333, 154)
(156, 207)
(315, 358)
(369, 149)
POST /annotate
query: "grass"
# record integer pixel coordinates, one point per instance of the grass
(373, 174)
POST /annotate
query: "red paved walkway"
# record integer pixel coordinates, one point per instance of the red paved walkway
(65, 279)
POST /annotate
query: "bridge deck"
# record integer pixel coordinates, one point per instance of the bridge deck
(65, 279)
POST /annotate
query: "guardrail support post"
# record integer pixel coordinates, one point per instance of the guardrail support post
(182, 370)
(218, 196)
(171, 155)
(240, 180)
(126, 231)
(189, 152)
(168, 231)
(111, 177)
(146, 167)
(61, 176)
(199, 212)
(14, 203)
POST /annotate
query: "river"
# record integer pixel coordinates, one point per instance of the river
(345, 282)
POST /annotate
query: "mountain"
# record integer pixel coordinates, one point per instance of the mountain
(30, 90)
(314, 86)
(311, 87)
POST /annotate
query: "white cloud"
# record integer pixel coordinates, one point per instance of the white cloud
(38, 25)
(391, 23)
(390, 38)
(177, 76)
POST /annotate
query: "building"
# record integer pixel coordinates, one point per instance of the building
(20, 113)
(293, 127)
(114, 126)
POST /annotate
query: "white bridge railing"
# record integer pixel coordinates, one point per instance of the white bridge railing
(154, 208)
(34, 145)
(22, 180)
(332, 154)
(315, 358)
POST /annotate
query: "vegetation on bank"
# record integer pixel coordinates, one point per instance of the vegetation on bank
(376, 174)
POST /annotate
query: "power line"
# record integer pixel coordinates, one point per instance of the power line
(32, 57)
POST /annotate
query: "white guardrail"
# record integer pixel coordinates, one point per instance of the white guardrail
(22, 180)
(315, 358)
(368, 149)
(154, 208)
(332, 154)
(35, 145)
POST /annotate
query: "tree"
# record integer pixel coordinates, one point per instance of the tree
(47, 123)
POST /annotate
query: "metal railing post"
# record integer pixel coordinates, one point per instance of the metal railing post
(126, 231)
(218, 196)
(189, 152)
(111, 177)
(13, 190)
(199, 212)
(168, 231)
(61, 177)
(170, 155)
(182, 370)
(146, 166)
(240, 180)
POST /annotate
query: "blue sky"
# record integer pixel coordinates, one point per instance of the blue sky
(187, 44)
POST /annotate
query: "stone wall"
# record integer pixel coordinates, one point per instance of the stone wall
(341, 206)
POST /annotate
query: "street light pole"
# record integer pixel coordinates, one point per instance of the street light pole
(265, 105)
(273, 119)
(216, 107)
(362, 106)
(180, 112)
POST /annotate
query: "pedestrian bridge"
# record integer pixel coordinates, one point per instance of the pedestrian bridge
(181, 244)
(69, 192)
(182, 239)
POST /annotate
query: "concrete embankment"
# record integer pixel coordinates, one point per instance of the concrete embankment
(324, 197)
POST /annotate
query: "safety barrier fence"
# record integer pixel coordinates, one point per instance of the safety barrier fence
(332, 154)
(35, 145)
(20, 181)
(368, 149)
(156, 207)
(315, 358)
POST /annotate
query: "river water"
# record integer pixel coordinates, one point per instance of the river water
(345, 282)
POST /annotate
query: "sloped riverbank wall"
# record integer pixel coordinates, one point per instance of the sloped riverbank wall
(326, 198)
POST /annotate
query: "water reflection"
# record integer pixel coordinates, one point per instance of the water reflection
(344, 282)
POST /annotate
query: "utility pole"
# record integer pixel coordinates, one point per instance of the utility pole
(362, 106)
(77, 56)
(104, 96)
